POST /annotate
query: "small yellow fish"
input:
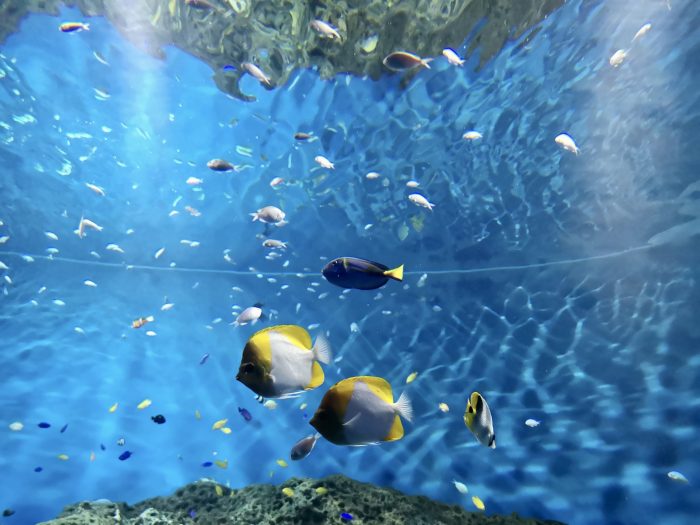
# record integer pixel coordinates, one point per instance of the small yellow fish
(221, 464)
(282, 463)
(113, 408)
(476, 500)
(288, 492)
(321, 491)
(411, 378)
(444, 407)
(197, 415)
(219, 424)
(219, 490)
(144, 404)
(63, 457)
(226, 430)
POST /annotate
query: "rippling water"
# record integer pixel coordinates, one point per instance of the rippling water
(562, 287)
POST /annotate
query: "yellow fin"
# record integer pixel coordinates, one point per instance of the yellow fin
(171, 7)
(317, 376)
(396, 431)
(380, 387)
(396, 273)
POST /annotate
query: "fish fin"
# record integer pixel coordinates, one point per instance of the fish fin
(396, 273)
(492, 442)
(86, 27)
(322, 350)
(396, 431)
(403, 407)
(317, 376)
(379, 386)
(424, 62)
(281, 223)
(349, 423)
(255, 216)
(296, 334)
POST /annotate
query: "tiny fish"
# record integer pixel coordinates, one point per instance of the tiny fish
(90, 283)
(64, 428)
(250, 315)
(269, 215)
(221, 423)
(372, 175)
(346, 516)
(276, 182)
(141, 321)
(220, 165)
(472, 135)
(461, 487)
(7, 513)
(324, 29)
(321, 491)
(113, 408)
(158, 419)
(300, 135)
(444, 407)
(226, 430)
(532, 423)
(324, 162)
(246, 415)
(476, 500)
(270, 404)
(677, 476)
(411, 377)
(282, 463)
(402, 61)
(114, 248)
(144, 404)
(642, 31)
(125, 455)
(160, 252)
(194, 181)
(121, 442)
(4, 239)
(63, 457)
(16, 426)
(420, 200)
(204, 359)
(219, 491)
(38, 469)
(412, 184)
(221, 464)
(102, 447)
(207, 464)
(618, 57)
(197, 415)
(566, 142)
(43, 424)
(51, 236)
(452, 57)
(256, 73)
(193, 211)
(303, 447)
(288, 492)
(70, 27)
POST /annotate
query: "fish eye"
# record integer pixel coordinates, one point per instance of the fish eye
(248, 368)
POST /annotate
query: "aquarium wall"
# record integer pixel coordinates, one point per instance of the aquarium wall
(543, 198)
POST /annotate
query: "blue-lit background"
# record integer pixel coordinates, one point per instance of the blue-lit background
(562, 287)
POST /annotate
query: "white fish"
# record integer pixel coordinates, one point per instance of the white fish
(159, 253)
(173, 213)
(461, 487)
(324, 162)
(642, 31)
(42, 289)
(256, 73)
(276, 182)
(412, 184)
(58, 302)
(566, 142)
(677, 476)
(249, 315)
(16, 426)
(372, 175)
(452, 57)
(194, 244)
(87, 223)
(95, 255)
(130, 231)
(8, 280)
(270, 404)
(51, 236)
(28, 258)
(79, 330)
(419, 200)
(52, 251)
(472, 135)
(3, 266)
(97, 189)
(269, 215)
(114, 248)
(90, 283)
(325, 29)
(532, 423)
(618, 58)
(421, 280)
(4, 239)
(273, 243)
(194, 181)
(166, 307)
(151, 333)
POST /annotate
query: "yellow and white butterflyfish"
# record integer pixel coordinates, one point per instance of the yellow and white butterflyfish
(280, 361)
(477, 417)
(361, 411)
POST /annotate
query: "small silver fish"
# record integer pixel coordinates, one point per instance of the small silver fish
(403, 61)
(256, 73)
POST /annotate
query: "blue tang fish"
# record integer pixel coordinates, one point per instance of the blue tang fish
(125, 455)
(351, 272)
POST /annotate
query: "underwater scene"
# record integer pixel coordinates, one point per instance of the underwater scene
(369, 261)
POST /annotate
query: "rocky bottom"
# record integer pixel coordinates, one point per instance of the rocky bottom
(335, 499)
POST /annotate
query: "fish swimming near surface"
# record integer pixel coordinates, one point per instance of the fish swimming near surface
(281, 361)
(361, 411)
(303, 447)
(361, 274)
(402, 61)
(478, 419)
(71, 27)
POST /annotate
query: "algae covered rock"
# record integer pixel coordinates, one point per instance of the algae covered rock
(276, 34)
(294, 502)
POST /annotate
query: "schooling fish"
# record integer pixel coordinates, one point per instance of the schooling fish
(351, 272)
(478, 419)
(303, 447)
(324, 29)
(70, 27)
(402, 61)
(220, 165)
(452, 57)
(256, 73)
(281, 361)
(269, 215)
(361, 411)
(250, 315)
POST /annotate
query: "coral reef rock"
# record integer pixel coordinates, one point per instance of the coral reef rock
(294, 502)
(276, 34)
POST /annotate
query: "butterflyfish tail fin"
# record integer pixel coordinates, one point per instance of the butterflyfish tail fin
(322, 350)
(425, 62)
(404, 408)
(396, 273)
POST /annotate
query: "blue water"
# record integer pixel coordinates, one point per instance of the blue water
(563, 288)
